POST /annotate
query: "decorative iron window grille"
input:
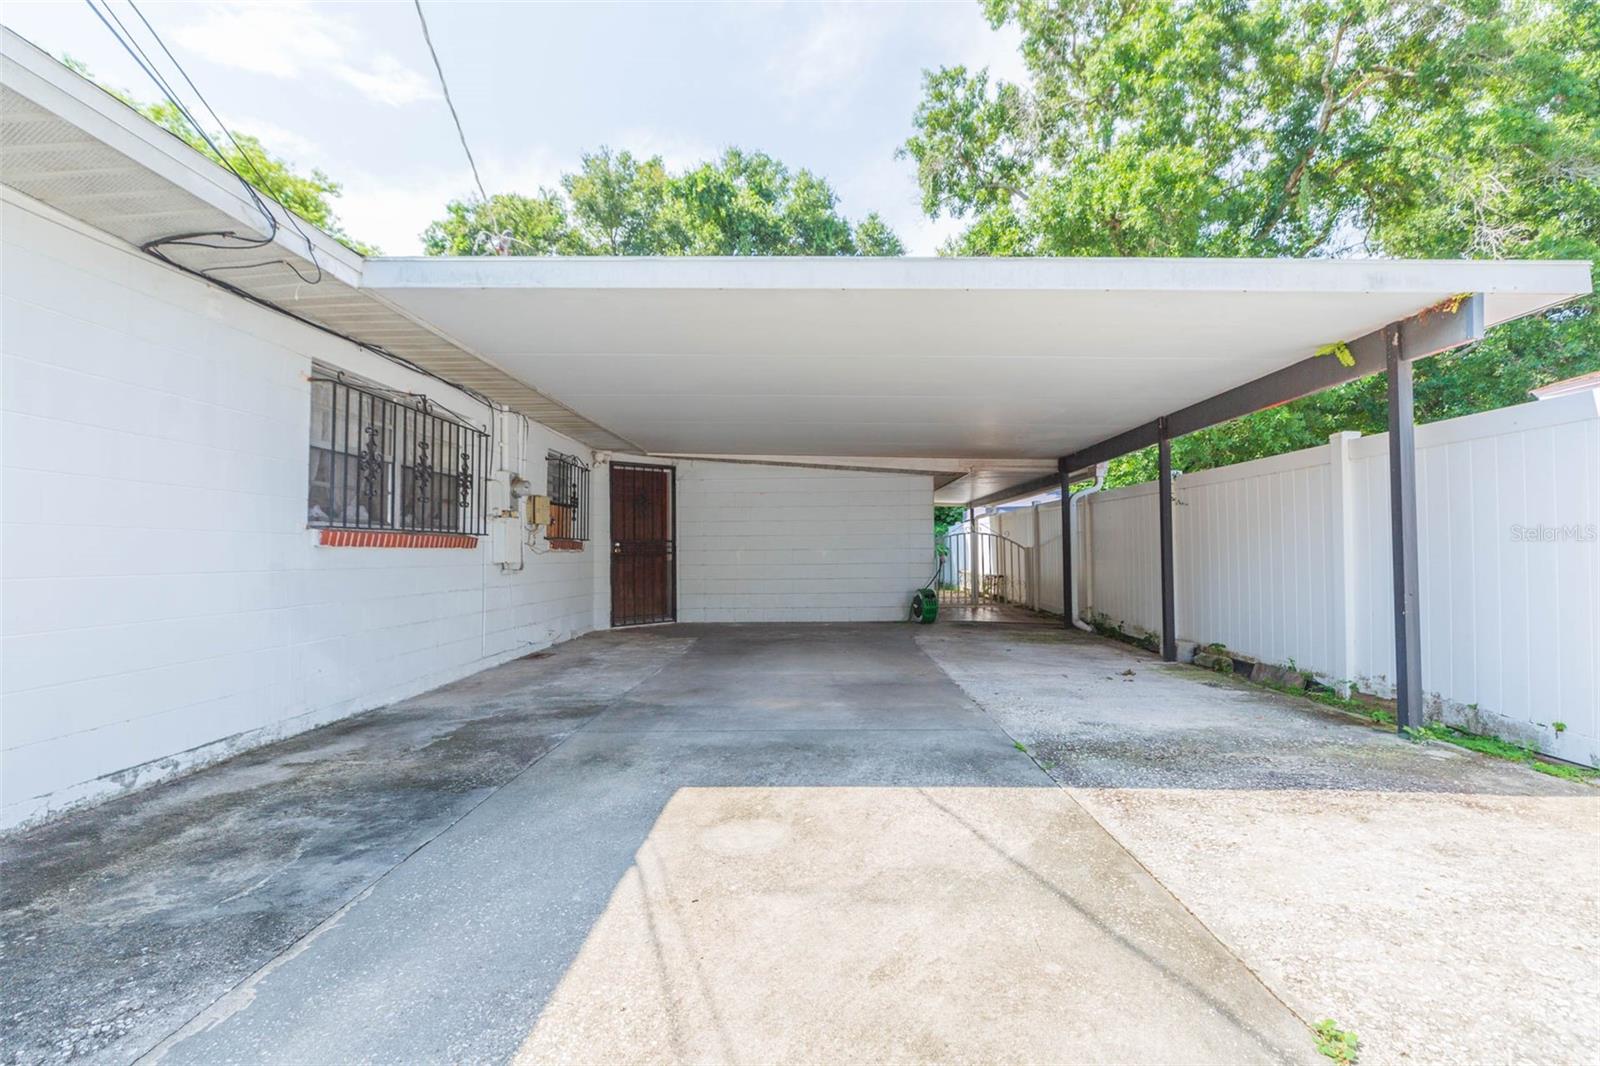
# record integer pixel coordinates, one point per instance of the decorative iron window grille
(378, 462)
(569, 498)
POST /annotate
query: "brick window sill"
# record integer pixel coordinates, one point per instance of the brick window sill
(383, 538)
(560, 545)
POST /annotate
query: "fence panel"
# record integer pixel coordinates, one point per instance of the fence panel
(1288, 558)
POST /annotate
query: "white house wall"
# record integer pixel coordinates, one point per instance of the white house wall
(777, 544)
(164, 602)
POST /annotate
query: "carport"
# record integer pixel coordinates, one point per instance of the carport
(1004, 377)
(295, 791)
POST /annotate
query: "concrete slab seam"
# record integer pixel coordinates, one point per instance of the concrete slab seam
(1073, 799)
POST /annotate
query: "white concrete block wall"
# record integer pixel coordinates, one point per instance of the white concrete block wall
(164, 603)
(774, 543)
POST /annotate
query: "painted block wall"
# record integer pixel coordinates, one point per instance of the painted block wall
(164, 603)
(778, 544)
(1288, 558)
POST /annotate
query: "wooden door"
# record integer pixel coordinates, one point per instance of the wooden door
(644, 586)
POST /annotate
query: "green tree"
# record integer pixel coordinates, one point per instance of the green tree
(1428, 128)
(744, 203)
(524, 225)
(874, 237)
(620, 203)
(946, 517)
(310, 196)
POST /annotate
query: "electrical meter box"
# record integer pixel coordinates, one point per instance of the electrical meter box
(539, 511)
(505, 541)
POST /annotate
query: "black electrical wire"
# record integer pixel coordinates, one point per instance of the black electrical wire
(137, 55)
(294, 220)
(154, 247)
(461, 132)
(427, 38)
(131, 45)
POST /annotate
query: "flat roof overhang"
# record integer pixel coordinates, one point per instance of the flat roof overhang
(1021, 359)
(984, 371)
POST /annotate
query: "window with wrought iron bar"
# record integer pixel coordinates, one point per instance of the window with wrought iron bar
(381, 461)
(569, 501)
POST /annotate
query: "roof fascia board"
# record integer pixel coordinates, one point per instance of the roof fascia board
(33, 73)
(1556, 278)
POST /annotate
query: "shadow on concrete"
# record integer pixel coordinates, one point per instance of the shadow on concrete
(413, 884)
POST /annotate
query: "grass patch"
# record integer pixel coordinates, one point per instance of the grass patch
(1105, 628)
(1496, 748)
(1329, 698)
(1338, 1044)
(1481, 743)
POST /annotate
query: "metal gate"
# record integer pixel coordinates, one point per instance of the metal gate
(644, 578)
(982, 567)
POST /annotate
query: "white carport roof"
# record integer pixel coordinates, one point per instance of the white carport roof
(919, 358)
(981, 371)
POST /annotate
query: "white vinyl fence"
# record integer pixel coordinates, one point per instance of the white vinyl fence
(1288, 559)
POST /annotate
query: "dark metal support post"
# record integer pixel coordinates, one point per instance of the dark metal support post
(1169, 625)
(1403, 535)
(1067, 612)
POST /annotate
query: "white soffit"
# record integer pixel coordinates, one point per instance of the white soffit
(977, 358)
(69, 144)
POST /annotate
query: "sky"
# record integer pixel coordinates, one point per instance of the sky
(349, 89)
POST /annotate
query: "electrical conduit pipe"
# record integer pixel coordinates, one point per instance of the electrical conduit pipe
(1074, 522)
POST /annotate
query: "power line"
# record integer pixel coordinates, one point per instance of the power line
(488, 205)
(136, 52)
(294, 219)
(131, 46)
(153, 247)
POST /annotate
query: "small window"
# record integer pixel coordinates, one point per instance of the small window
(385, 462)
(569, 501)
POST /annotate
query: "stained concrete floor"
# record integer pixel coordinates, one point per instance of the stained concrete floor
(1443, 905)
(771, 843)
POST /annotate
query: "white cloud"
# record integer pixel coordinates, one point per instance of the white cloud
(392, 214)
(279, 140)
(296, 40)
(889, 187)
(834, 53)
(974, 44)
(676, 152)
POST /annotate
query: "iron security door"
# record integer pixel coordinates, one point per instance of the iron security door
(644, 586)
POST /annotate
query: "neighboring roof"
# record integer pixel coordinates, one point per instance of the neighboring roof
(1002, 364)
(1567, 386)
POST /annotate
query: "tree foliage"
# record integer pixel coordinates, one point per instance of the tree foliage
(744, 203)
(310, 196)
(1417, 128)
(946, 517)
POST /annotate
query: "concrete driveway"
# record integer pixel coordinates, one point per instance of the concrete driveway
(759, 843)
